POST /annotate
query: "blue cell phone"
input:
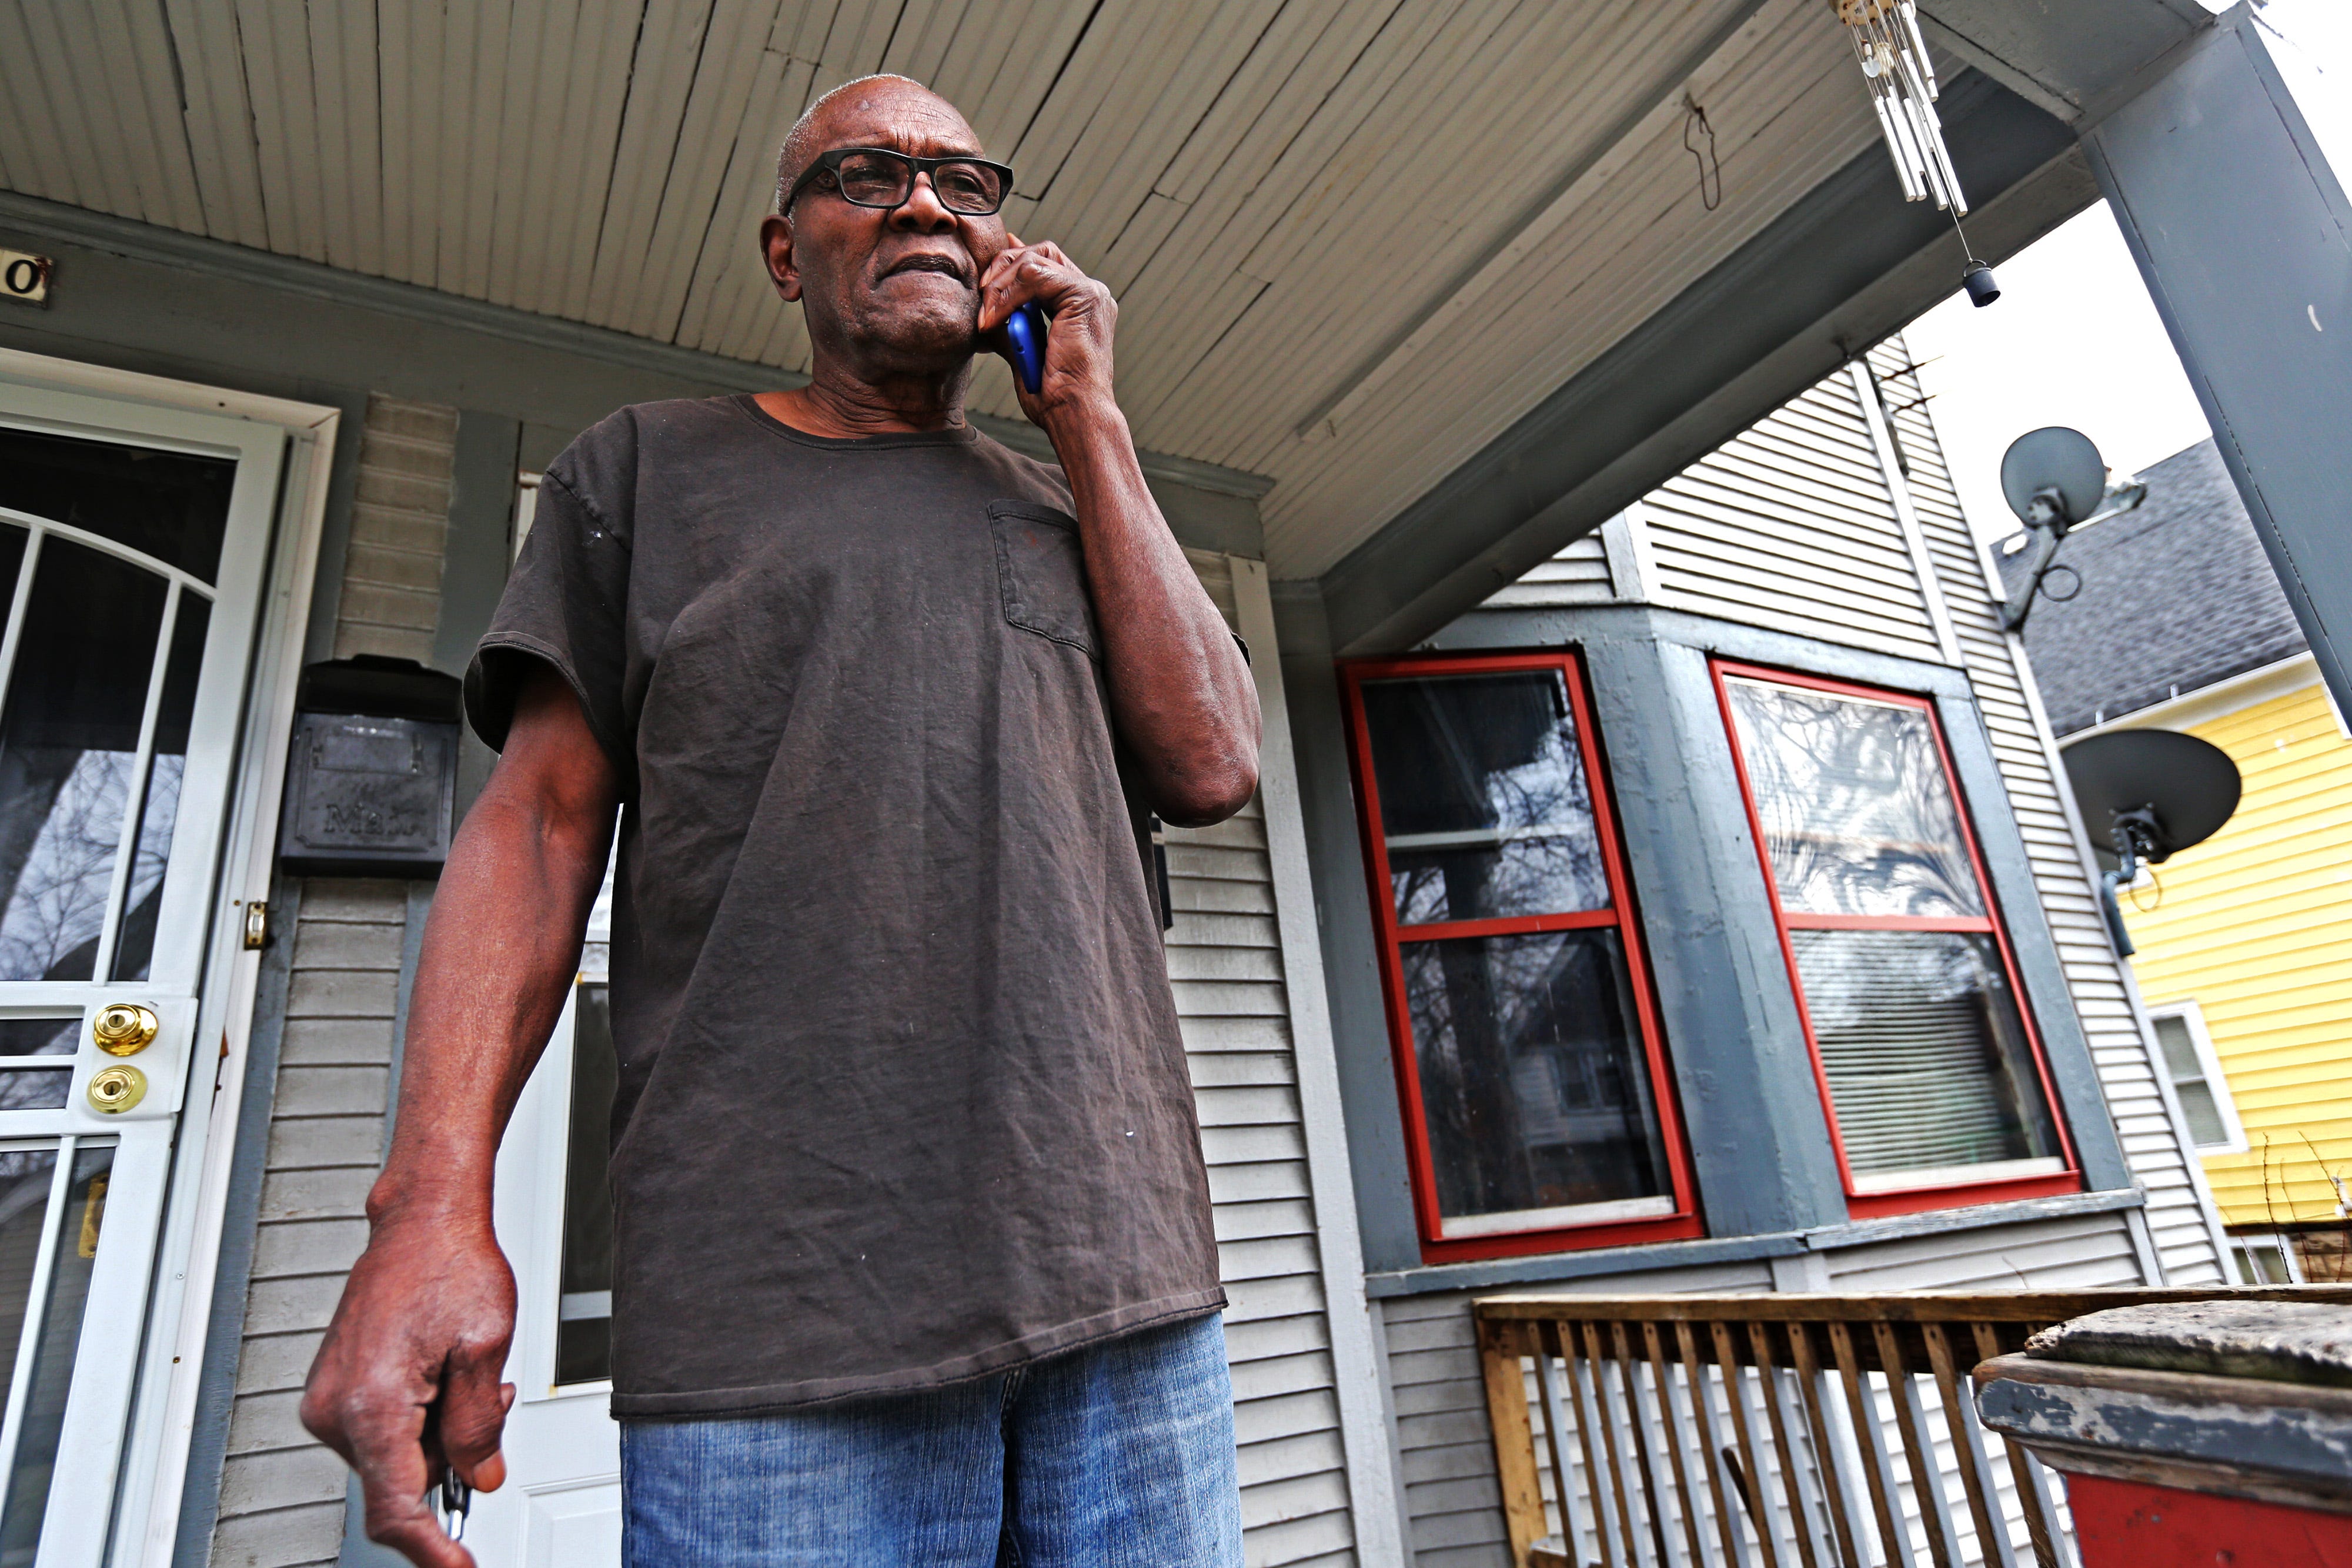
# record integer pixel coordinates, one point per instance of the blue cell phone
(1026, 328)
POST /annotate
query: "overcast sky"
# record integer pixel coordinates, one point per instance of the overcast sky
(2073, 339)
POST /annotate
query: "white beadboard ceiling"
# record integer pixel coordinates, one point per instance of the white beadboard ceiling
(1353, 240)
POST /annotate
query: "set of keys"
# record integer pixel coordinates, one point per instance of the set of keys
(453, 1500)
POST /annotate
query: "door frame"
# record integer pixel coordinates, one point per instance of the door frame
(163, 1410)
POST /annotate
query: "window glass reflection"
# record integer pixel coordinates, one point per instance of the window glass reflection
(1484, 801)
(73, 1253)
(158, 812)
(67, 745)
(173, 505)
(1533, 1083)
(2199, 1107)
(39, 1037)
(1924, 1050)
(51, 1041)
(25, 1183)
(1858, 815)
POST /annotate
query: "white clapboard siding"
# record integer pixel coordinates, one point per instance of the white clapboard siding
(2153, 1144)
(281, 1497)
(1790, 524)
(1577, 575)
(1224, 960)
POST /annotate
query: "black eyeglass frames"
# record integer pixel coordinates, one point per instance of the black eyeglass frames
(878, 177)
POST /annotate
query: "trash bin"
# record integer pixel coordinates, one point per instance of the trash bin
(2199, 1432)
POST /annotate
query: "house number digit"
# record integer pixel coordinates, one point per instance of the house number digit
(24, 278)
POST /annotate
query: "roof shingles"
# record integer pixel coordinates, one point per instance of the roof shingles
(2175, 596)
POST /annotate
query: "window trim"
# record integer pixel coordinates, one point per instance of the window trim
(2217, 1082)
(2241, 1245)
(1624, 915)
(1871, 1197)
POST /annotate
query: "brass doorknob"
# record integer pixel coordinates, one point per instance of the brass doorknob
(124, 1028)
(115, 1090)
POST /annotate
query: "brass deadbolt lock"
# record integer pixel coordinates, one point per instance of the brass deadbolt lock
(124, 1028)
(115, 1090)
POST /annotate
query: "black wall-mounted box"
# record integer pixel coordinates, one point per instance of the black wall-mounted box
(372, 770)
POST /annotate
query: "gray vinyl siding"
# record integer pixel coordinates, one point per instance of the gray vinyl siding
(281, 1499)
(2153, 1145)
(1454, 1508)
(1577, 575)
(2079, 1253)
(1794, 525)
(1225, 961)
(1790, 526)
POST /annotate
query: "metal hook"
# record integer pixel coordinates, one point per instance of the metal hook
(1693, 116)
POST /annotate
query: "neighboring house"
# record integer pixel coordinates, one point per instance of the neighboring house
(1646, 783)
(2244, 962)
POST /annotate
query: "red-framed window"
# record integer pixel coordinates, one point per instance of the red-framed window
(1928, 1062)
(1538, 1113)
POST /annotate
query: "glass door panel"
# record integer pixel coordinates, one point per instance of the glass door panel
(133, 541)
(170, 505)
(52, 1213)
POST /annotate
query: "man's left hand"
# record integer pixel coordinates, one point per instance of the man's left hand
(1081, 314)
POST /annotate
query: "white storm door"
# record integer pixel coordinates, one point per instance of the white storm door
(560, 1507)
(133, 545)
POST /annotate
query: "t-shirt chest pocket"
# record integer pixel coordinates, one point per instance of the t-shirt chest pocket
(1041, 573)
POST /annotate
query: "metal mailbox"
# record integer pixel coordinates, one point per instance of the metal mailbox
(372, 772)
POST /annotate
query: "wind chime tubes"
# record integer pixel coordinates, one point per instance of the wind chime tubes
(1902, 82)
(1893, 59)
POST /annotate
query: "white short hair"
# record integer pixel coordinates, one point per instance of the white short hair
(790, 153)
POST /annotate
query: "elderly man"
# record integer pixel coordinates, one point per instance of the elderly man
(913, 1254)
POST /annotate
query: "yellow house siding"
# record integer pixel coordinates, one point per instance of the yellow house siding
(2255, 927)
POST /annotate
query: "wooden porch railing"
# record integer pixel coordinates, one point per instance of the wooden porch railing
(1790, 1431)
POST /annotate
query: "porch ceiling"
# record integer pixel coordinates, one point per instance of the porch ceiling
(1354, 240)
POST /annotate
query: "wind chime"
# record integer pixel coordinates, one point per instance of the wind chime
(1902, 82)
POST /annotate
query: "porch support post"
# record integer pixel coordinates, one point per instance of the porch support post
(2244, 236)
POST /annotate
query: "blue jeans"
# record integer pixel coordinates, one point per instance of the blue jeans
(1117, 1456)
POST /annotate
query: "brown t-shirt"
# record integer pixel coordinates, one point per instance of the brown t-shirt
(902, 1098)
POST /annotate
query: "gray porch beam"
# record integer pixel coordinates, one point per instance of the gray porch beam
(1847, 263)
(2244, 234)
(2069, 59)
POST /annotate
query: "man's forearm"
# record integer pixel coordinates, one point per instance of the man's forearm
(499, 952)
(1180, 689)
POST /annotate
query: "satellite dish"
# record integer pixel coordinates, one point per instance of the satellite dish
(2053, 459)
(2174, 789)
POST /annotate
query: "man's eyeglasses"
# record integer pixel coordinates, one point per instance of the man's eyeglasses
(878, 177)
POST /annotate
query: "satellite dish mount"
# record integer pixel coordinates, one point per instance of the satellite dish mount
(2158, 791)
(2056, 482)
(2137, 836)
